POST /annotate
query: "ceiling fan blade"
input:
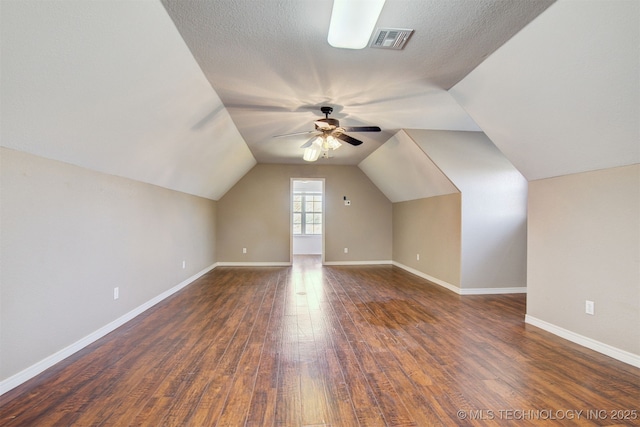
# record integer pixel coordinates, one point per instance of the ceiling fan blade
(349, 140)
(308, 143)
(294, 134)
(362, 129)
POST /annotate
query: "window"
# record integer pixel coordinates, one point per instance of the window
(307, 213)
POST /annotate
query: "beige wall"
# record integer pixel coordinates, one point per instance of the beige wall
(70, 235)
(254, 214)
(584, 244)
(432, 228)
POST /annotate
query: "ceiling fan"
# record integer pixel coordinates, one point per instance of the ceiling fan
(326, 135)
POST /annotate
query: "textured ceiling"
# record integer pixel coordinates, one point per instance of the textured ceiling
(270, 63)
(190, 99)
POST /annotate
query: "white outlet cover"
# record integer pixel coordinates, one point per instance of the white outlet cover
(589, 307)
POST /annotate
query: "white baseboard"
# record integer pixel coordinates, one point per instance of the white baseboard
(616, 353)
(253, 264)
(462, 291)
(39, 367)
(446, 285)
(381, 262)
(492, 291)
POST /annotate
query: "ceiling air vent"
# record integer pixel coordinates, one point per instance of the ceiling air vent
(390, 38)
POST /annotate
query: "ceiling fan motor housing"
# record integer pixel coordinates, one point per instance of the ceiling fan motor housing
(331, 122)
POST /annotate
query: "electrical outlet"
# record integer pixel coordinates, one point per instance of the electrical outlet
(244, 250)
(589, 307)
(116, 293)
(184, 264)
(417, 257)
(346, 250)
(347, 202)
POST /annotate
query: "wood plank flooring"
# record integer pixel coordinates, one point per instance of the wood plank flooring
(328, 346)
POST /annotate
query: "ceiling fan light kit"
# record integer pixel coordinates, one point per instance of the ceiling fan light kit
(321, 145)
(352, 22)
(328, 135)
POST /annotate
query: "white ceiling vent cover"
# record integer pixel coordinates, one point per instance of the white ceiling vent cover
(390, 38)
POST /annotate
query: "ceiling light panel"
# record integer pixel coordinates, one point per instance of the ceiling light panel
(352, 22)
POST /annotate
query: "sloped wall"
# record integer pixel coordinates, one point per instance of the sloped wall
(561, 99)
(563, 95)
(427, 217)
(494, 206)
(485, 239)
(112, 87)
(402, 172)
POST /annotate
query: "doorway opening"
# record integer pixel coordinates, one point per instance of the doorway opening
(307, 217)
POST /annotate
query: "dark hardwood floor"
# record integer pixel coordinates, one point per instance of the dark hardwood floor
(340, 346)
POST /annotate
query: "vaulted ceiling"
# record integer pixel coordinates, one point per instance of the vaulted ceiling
(188, 94)
(270, 63)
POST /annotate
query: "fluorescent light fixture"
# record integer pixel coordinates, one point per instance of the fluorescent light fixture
(352, 22)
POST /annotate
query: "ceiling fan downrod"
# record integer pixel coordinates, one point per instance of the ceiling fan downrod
(330, 124)
(326, 111)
